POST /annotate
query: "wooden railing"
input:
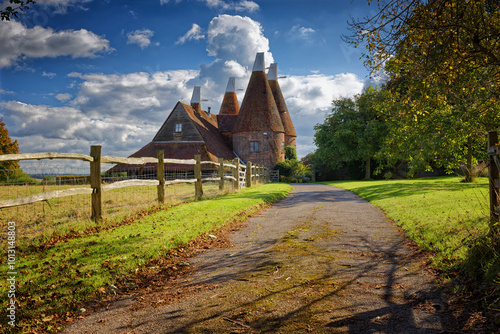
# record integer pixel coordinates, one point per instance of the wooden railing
(494, 177)
(242, 176)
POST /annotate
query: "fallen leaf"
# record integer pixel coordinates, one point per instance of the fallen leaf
(48, 318)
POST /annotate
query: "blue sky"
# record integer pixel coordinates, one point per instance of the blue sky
(75, 73)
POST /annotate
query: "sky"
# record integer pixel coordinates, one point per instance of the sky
(76, 73)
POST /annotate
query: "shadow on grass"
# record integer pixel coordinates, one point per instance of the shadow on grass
(371, 190)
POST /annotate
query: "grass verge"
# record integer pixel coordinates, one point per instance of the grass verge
(448, 218)
(55, 281)
(442, 214)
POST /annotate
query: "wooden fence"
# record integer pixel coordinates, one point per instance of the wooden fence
(494, 178)
(241, 176)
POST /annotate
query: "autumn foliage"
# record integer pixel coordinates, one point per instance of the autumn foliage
(7, 146)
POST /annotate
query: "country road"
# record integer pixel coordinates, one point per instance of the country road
(322, 260)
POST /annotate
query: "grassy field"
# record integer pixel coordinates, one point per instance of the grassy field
(72, 214)
(442, 215)
(55, 280)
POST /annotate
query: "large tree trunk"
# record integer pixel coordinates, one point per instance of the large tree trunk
(367, 169)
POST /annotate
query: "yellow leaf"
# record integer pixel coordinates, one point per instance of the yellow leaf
(48, 318)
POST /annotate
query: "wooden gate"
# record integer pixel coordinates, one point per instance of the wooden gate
(274, 175)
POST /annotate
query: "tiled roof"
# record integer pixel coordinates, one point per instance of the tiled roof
(282, 108)
(207, 128)
(230, 105)
(258, 110)
(211, 148)
(226, 122)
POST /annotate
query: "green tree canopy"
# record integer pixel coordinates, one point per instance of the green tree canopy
(443, 57)
(353, 131)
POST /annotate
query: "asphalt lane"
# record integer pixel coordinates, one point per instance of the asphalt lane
(322, 260)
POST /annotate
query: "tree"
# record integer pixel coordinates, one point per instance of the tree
(292, 168)
(12, 11)
(7, 146)
(353, 131)
(290, 153)
(443, 58)
(461, 31)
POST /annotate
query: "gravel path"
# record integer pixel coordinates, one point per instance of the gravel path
(322, 260)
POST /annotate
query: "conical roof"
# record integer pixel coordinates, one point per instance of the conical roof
(258, 110)
(230, 105)
(272, 76)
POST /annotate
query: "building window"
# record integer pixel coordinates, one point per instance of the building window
(178, 127)
(254, 146)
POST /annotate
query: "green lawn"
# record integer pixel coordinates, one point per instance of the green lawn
(440, 214)
(58, 279)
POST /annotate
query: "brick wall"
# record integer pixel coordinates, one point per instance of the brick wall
(291, 141)
(271, 147)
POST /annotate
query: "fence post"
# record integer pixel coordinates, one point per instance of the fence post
(256, 177)
(493, 177)
(95, 183)
(160, 175)
(236, 174)
(249, 174)
(197, 174)
(221, 174)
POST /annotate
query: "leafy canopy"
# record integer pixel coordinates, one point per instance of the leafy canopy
(443, 58)
(353, 131)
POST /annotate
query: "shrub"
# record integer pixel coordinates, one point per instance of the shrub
(284, 168)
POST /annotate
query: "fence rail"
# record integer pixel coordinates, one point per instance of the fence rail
(241, 176)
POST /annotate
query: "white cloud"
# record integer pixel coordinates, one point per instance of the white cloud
(50, 75)
(127, 96)
(233, 37)
(302, 32)
(61, 6)
(20, 42)
(124, 111)
(309, 100)
(314, 93)
(238, 6)
(246, 6)
(234, 41)
(63, 97)
(69, 130)
(140, 37)
(2, 91)
(164, 2)
(193, 34)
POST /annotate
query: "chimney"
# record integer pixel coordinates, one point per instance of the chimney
(230, 105)
(196, 99)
